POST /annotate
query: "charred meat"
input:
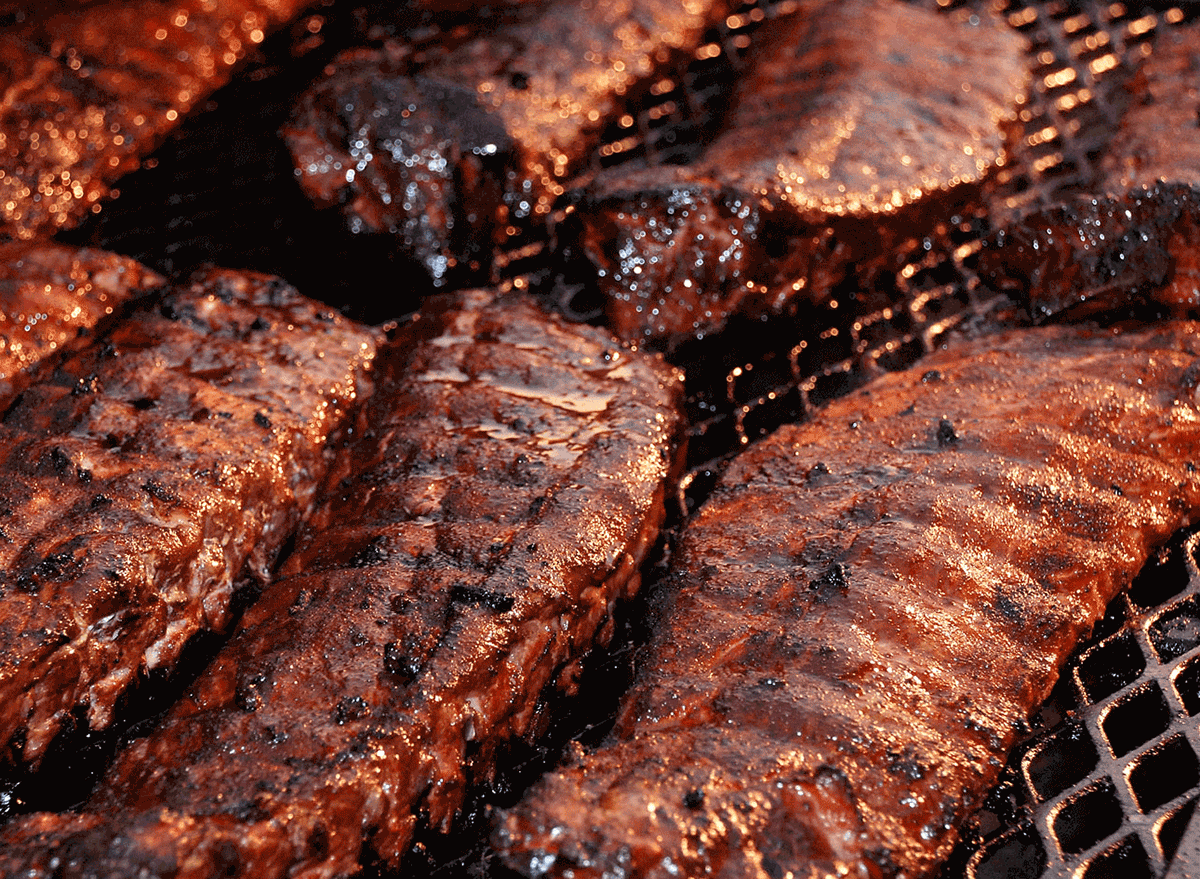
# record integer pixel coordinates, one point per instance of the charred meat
(53, 298)
(1102, 253)
(855, 127)
(141, 476)
(459, 156)
(869, 606)
(87, 93)
(507, 485)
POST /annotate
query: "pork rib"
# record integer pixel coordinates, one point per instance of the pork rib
(87, 93)
(508, 484)
(855, 127)
(871, 603)
(141, 476)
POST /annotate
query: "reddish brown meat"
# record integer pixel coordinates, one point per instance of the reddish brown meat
(1094, 254)
(53, 298)
(506, 488)
(484, 138)
(856, 126)
(869, 606)
(141, 476)
(1158, 137)
(87, 93)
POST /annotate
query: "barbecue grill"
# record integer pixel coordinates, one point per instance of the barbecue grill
(1109, 776)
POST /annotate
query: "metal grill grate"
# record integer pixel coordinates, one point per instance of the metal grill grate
(1108, 784)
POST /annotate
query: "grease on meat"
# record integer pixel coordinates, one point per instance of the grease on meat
(871, 603)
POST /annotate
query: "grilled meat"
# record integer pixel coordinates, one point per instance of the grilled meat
(141, 476)
(855, 127)
(89, 92)
(869, 606)
(54, 297)
(1095, 254)
(506, 486)
(1157, 139)
(448, 162)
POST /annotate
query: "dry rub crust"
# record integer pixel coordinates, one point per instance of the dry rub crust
(87, 93)
(54, 297)
(141, 476)
(871, 603)
(506, 486)
(856, 127)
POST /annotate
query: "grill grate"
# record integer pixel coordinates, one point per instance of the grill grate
(1108, 784)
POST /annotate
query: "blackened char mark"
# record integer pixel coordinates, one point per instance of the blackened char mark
(127, 524)
(400, 670)
(839, 725)
(1094, 255)
(855, 127)
(90, 92)
(452, 161)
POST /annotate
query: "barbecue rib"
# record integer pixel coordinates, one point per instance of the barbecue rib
(87, 93)
(871, 603)
(445, 161)
(506, 487)
(1102, 253)
(141, 476)
(53, 298)
(855, 127)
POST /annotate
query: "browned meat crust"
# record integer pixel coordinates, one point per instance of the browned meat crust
(141, 476)
(87, 93)
(507, 486)
(1158, 139)
(54, 297)
(869, 606)
(855, 127)
(1107, 253)
(484, 138)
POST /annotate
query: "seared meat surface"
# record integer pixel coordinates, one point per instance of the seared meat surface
(869, 606)
(54, 297)
(505, 488)
(139, 479)
(1157, 139)
(1102, 253)
(87, 93)
(855, 127)
(447, 160)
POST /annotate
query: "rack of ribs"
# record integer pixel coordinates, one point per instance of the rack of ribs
(142, 475)
(506, 485)
(870, 605)
(855, 127)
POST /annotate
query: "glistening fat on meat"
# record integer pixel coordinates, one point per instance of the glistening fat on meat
(444, 161)
(871, 603)
(507, 484)
(54, 298)
(141, 476)
(855, 127)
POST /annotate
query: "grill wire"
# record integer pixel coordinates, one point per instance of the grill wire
(1109, 774)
